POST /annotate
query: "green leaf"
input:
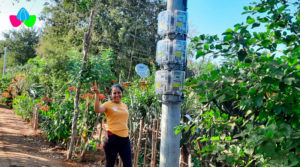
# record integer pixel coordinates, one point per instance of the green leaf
(252, 91)
(237, 27)
(265, 43)
(281, 9)
(219, 47)
(269, 134)
(196, 39)
(229, 30)
(215, 138)
(177, 130)
(199, 53)
(249, 163)
(263, 20)
(245, 8)
(278, 34)
(216, 37)
(206, 46)
(224, 116)
(242, 54)
(256, 35)
(202, 37)
(250, 20)
(228, 38)
(284, 32)
(204, 139)
(255, 25)
(228, 138)
(258, 101)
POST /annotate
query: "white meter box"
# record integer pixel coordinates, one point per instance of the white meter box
(164, 22)
(168, 51)
(169, 82)
(180, 18)
(172, 22)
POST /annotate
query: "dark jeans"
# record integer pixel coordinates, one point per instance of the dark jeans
(113, 145)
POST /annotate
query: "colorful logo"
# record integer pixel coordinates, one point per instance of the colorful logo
(22, 16)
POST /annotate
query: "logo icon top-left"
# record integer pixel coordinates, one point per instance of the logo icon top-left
(22, 17)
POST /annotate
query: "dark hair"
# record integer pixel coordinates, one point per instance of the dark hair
(118, 86)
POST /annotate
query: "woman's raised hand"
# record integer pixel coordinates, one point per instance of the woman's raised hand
(94, 88)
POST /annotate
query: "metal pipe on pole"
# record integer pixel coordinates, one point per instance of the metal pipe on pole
(170, 143)
(4, 64)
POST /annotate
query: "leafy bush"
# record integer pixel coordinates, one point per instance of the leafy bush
(23, 106)
(249, 106)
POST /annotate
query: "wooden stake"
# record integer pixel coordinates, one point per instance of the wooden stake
(145, 149)
(137, 151)
(156, 140)
(76, 103)
(85, 138)
(153, 156)
(35, 117)
(183, 156)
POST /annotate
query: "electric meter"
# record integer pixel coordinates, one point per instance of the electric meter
(164, 22)
(181, 25)
(171, 52)
(169, 82)
(163, 51)
(172, 22)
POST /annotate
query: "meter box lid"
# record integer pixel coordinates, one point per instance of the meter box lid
(177, 80)
(181, 25)
(164, 22)
(161, 81)
(163, 50)
(179, 51)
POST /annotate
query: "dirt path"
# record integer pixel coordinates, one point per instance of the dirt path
(21, 146)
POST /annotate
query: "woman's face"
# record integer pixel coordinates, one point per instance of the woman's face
(116, 95)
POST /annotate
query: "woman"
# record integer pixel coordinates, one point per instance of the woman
(117, 140)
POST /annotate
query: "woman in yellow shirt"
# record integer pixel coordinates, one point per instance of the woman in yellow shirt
(116, 140)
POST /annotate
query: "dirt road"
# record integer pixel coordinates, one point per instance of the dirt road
(21, 146)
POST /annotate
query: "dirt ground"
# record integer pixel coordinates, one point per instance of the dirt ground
(21, 146)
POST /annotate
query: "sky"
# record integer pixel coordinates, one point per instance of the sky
(205, 16)
(215, 16)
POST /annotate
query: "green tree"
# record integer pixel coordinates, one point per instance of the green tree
(127, 28)
(21, 46)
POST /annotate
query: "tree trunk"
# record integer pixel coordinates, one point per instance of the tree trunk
(137, 151)
(190, 162)
(200, 147)
(184, 156)
(101, 129)
(85, 138)
(35, 117)
(154, 142)
(145, 150)
(76, 108)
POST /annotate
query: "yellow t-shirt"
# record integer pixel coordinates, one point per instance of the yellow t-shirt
(117, 118)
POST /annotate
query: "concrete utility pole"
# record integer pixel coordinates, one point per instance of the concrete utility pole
(169, 80)
(4, 64)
